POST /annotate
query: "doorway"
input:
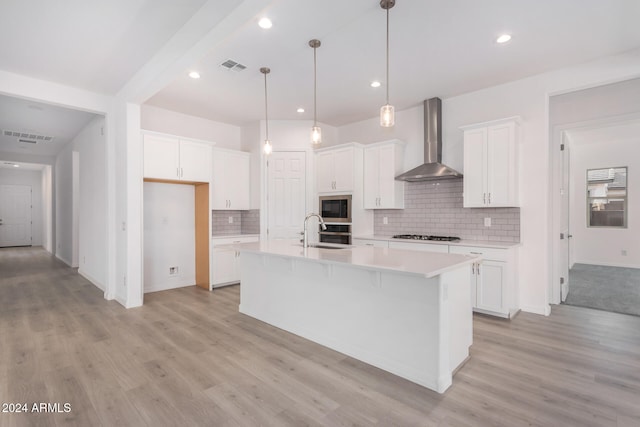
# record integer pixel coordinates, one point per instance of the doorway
(15, 215)
(286, 194)
(580, 121)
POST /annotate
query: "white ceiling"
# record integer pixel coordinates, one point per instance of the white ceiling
(438, 48)
(91, 44)
(29, 117)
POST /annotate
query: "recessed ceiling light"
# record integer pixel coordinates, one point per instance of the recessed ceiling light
(265, 23)
(194, 75)
(375, 84)
(503, 38)
(300, 110)
(16, 165)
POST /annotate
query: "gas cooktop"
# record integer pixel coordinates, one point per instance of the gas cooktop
(425, 237)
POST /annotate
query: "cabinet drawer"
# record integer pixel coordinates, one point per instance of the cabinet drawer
(494, 254)
(371, 242)
(418, 246)
(217, 241)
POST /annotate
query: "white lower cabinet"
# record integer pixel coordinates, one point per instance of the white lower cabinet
(419, 246)
(370, 242)
(493, 280)
(225, 260)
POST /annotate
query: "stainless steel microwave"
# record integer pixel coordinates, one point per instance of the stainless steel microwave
(335, 208)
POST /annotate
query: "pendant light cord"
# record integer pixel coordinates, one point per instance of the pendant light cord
(387, 56)
(266, 110)
(315, 84)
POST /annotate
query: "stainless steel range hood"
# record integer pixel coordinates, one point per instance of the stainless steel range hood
(432, 168)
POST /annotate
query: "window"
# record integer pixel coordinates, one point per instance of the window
(607, 197)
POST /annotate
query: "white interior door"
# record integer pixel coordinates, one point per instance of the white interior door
(15, 215)
(563, 263)
(286, 194)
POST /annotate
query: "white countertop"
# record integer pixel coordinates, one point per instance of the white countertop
(475, 243)
(427, 264)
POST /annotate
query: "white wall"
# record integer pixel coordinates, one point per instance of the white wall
(604, 246)
(33, 179)
(64, 205)
(169, 238)
(47, 208)
(90, 143)
(528, 98)
(165, 121)
(409, 127)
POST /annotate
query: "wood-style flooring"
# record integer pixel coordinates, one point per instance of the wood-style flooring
(188, 358)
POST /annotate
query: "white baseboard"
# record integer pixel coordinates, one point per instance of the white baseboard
(543, 310)
(608, 264)
(92, 279)
(66, 261)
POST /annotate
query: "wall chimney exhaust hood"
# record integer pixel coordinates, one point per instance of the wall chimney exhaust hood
(432, 168)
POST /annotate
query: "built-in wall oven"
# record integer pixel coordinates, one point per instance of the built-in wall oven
(336, 214)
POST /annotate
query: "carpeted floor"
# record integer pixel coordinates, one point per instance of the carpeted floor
(614, 289)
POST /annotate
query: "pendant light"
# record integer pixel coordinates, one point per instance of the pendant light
(387, 114)
(267, 144)
(316, 132)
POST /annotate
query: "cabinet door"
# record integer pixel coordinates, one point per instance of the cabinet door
(219, 199)
(371, 177)
(195, 161)
(224, 269)
(475, 160)
(237, 184)
(490, 286)
(500, 160)
(324, 172)
(343, 170)
(161, 157)
(386, 177)
(368, 242)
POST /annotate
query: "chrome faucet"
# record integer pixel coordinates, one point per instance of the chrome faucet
(305, 240)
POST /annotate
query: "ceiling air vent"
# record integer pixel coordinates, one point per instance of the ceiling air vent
(230, 64)
(30, 138)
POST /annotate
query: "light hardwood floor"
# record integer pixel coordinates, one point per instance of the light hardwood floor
(189, 358)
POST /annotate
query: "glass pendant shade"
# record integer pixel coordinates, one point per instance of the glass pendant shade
(267, 147)
(387, 116)
(316, 135)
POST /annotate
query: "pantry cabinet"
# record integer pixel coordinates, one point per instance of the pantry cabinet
(382, 163)
(491, 164)
(174, 159)
(231, 180)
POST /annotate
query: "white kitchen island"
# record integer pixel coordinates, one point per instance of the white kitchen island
(403, 311)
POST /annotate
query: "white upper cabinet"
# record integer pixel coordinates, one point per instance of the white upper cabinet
(382, 163)
(334, 170)
(231, 180)
(171, 158)
(491, 164)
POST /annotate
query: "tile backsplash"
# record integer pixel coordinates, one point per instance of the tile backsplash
(243, 222)
(435, 207)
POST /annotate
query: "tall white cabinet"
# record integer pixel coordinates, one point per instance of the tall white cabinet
(491, 164)
(383, 161)
(230, 185)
